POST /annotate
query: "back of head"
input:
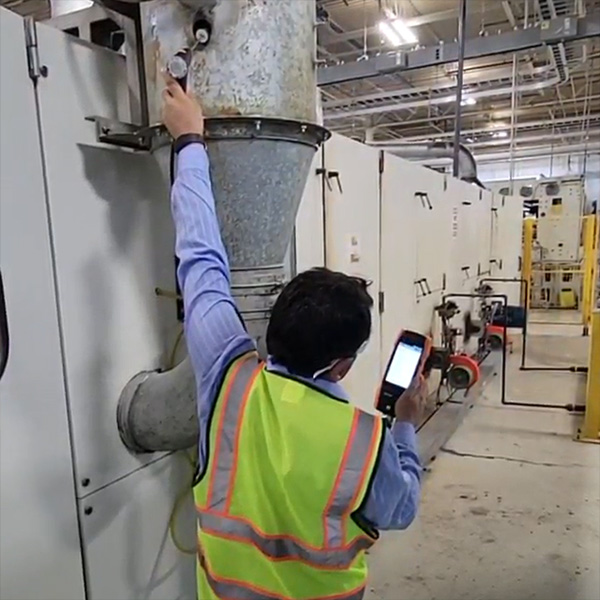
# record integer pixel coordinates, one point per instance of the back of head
(320, 316)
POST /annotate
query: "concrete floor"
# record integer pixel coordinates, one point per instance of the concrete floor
(511, 505)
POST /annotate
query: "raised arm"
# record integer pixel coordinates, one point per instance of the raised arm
(214, 333)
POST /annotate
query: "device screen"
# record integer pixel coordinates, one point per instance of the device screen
(404, 365)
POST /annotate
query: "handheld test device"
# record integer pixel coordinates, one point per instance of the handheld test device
(406, 364)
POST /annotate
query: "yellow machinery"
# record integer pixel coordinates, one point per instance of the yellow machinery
(589, 268)
(562, 284)
(590, 431)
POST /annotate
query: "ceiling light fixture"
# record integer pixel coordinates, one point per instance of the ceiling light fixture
(501, 134)
(397, 31)
(469, 101)
(392, 37)
(404, 31)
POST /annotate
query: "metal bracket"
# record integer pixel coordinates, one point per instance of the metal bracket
(127, 135)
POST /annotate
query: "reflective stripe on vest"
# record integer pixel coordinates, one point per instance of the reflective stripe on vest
(236, 590)
(223, 471)
(214, 517)
(280, 547)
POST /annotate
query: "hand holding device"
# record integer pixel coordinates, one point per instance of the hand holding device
(403, 375)
(410, 407)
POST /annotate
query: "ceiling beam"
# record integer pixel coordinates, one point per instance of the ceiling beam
(548, 32)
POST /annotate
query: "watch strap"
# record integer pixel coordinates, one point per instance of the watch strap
(186, 139)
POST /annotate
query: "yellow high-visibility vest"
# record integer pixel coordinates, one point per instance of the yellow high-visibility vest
(288, 467)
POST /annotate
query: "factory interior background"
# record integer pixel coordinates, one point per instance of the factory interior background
(449, 154)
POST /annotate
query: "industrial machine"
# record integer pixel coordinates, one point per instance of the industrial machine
(90, 468)
(458, 362)
(555, 244)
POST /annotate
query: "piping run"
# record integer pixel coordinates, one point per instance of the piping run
(467, 167)
(449, 98)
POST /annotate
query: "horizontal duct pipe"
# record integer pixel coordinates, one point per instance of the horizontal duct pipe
(499, 114)
(537, 138)
(467, 167)
(547, 123)
(488, 74)
(400, 146)
(527, 153)
(504, 91)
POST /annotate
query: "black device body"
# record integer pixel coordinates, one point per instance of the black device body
(407, 361)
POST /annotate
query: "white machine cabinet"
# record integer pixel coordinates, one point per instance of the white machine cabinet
(352, 242)
(398, 251)
(40, 548)
(426, 197)
(114, 246)
(485, 217)
(81, 257)
(468, 220)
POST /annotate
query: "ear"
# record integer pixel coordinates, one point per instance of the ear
(340, 369)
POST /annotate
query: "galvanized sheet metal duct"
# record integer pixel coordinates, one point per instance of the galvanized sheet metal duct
(467, 167)
(256, 79)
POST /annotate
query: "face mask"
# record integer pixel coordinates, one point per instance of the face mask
(330, 366)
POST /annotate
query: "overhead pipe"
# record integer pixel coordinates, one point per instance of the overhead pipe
(525, 154)
(467, 167)
(488, 130)
(473, 75)
(500, 114)
(426, 102)
(534, 138)
(257, 81)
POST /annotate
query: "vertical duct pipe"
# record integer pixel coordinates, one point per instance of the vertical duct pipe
(257, 81)
(513, 122)
(462, 20)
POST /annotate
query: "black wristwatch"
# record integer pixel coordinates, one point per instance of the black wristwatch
(186, 139)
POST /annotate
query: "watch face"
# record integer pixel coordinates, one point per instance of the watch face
(177, 67)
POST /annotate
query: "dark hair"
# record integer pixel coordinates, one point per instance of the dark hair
(320, 316)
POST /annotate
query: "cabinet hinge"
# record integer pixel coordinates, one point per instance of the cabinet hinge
(36, 69)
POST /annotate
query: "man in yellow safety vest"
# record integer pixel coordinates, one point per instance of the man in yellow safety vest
(294, 481)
